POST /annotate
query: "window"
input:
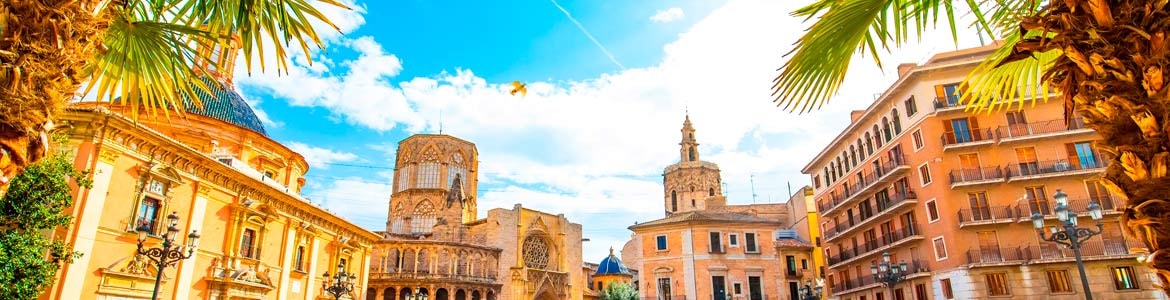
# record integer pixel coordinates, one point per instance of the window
(920, 292)
(269, 174)
(948, 94)
(664, 288)
(1037, 199)
(980, 209)
(733, 240)
(1124, 278)
(940, 248)
(997, 284)
(404, 177)
(932, 210)
(817, 181)
(148, 215)
(749, 240)
(710, 191)
(947, 292)
(248, 243)
(1083, 156)
(911, 106)
(158, 187)
(455, 168)
(536, 254)
(918, 143)
(790, 263)
(428, 175)
(661, 241)
(899, 295)
(691, 154)
(716, 244)
(1098, 193)
(673, 201)
(755, 288)
(803, 264)
(924, 174)
(299, 260)
(1026, 160)
(897, 122)
(1058, 281)
(737, 288)
(424, 218)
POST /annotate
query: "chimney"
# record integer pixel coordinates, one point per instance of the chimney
(905, 68)
(854, 115)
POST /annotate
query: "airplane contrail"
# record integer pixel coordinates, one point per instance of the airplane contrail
(587, 34)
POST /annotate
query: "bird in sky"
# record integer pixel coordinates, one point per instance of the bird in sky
(518, 87)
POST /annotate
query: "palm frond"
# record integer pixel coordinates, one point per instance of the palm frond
(818, 63)
(260, 23)
(147, 64)
(1008, 78)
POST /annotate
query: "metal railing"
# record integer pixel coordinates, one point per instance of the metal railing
(1090, 249)
(1056, 166)
(432, 277)
(666, 297)
(885, 166)
(914, 267)
(983, 214)
(882, 205)
(998, 255)
(1035, 128)
(947, 102)
(866, 248)
(976, 174)
(969, 136)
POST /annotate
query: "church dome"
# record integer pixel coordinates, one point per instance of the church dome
(225, 104)
(611, 265)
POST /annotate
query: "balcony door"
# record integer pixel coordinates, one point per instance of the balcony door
(1083, 156)
(1027, 161)
(979, 207)
(989, 246)
(1017, 124)
(1038, 199)
(969, 167)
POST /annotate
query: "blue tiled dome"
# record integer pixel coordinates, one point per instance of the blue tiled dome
(611, 265)
(224, 104)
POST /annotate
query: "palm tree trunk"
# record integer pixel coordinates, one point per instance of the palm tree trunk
(1111, 73)
(44, 46)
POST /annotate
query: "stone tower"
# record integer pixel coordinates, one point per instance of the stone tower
(691, 184)
(434, 184)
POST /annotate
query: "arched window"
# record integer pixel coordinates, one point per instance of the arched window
(423, 218)
(673, 201)
(710, 191)
(861, 150)
(456, 167)
(897, 121)
(428, 175)
(398, 218)
(692, 135)
(886, 129)
(868, 144)
(853, 155)
(877, 136)
(536, 252)
(692, 154)
(693, 203)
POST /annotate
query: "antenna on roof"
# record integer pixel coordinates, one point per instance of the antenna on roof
(752, 179)
(440, 121)
(790, 189)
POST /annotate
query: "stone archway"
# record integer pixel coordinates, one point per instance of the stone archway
(546, 295)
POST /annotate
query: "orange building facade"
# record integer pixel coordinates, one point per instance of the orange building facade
(951, 193)
(707, 249)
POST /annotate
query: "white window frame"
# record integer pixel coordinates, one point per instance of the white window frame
(756, 236)
(928, 176)
(665, 243)
(710, 245)
(732, 240)
(916, 138)
(937, 214)
(935, 247)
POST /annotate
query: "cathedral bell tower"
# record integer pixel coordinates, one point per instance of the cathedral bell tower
(691, 184)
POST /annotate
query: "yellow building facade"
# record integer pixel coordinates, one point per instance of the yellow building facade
(215, 168)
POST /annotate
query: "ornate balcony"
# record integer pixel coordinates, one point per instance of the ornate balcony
(969, 138)
(887, 170)
(1044, 129)
(884, 207)
(1055, 168)
(998, 256)
(987, 215)
(976, 176)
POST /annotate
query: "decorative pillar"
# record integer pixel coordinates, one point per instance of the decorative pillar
(87, 220)
(194, 222)
(311, 287)
(286, 260)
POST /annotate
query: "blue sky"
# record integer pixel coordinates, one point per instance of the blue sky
(591, 138)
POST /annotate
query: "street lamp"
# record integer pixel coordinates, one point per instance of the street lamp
(339, 284)
(810, 292)
(166, 256)
(888, 273)
(1069, 234)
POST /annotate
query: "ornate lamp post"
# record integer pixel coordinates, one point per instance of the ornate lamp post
(1069, 234)
(887, 273)
(339, 284)
(166, 256)
(810, 292)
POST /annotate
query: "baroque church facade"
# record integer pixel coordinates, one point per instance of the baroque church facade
(705, 248)
(436, 246)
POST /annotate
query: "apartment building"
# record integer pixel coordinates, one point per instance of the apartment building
(951, 194)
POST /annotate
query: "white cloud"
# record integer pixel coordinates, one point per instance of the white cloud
(320, 158)
(597, 147)
(667, 15)
(362, 202)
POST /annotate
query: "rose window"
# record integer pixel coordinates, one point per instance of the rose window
(535, 252)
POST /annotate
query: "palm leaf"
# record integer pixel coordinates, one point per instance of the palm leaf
(147, 63)
(1004, 80)
(819, 61)
(260, 23)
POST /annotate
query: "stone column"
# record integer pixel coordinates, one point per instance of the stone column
(87, 224)
(195, 222)
(310, 287)
(286, 260)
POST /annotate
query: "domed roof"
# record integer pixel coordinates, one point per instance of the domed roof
(224, 104)
(611, 265)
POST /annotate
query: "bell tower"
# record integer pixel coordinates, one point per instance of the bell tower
(691, 184)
